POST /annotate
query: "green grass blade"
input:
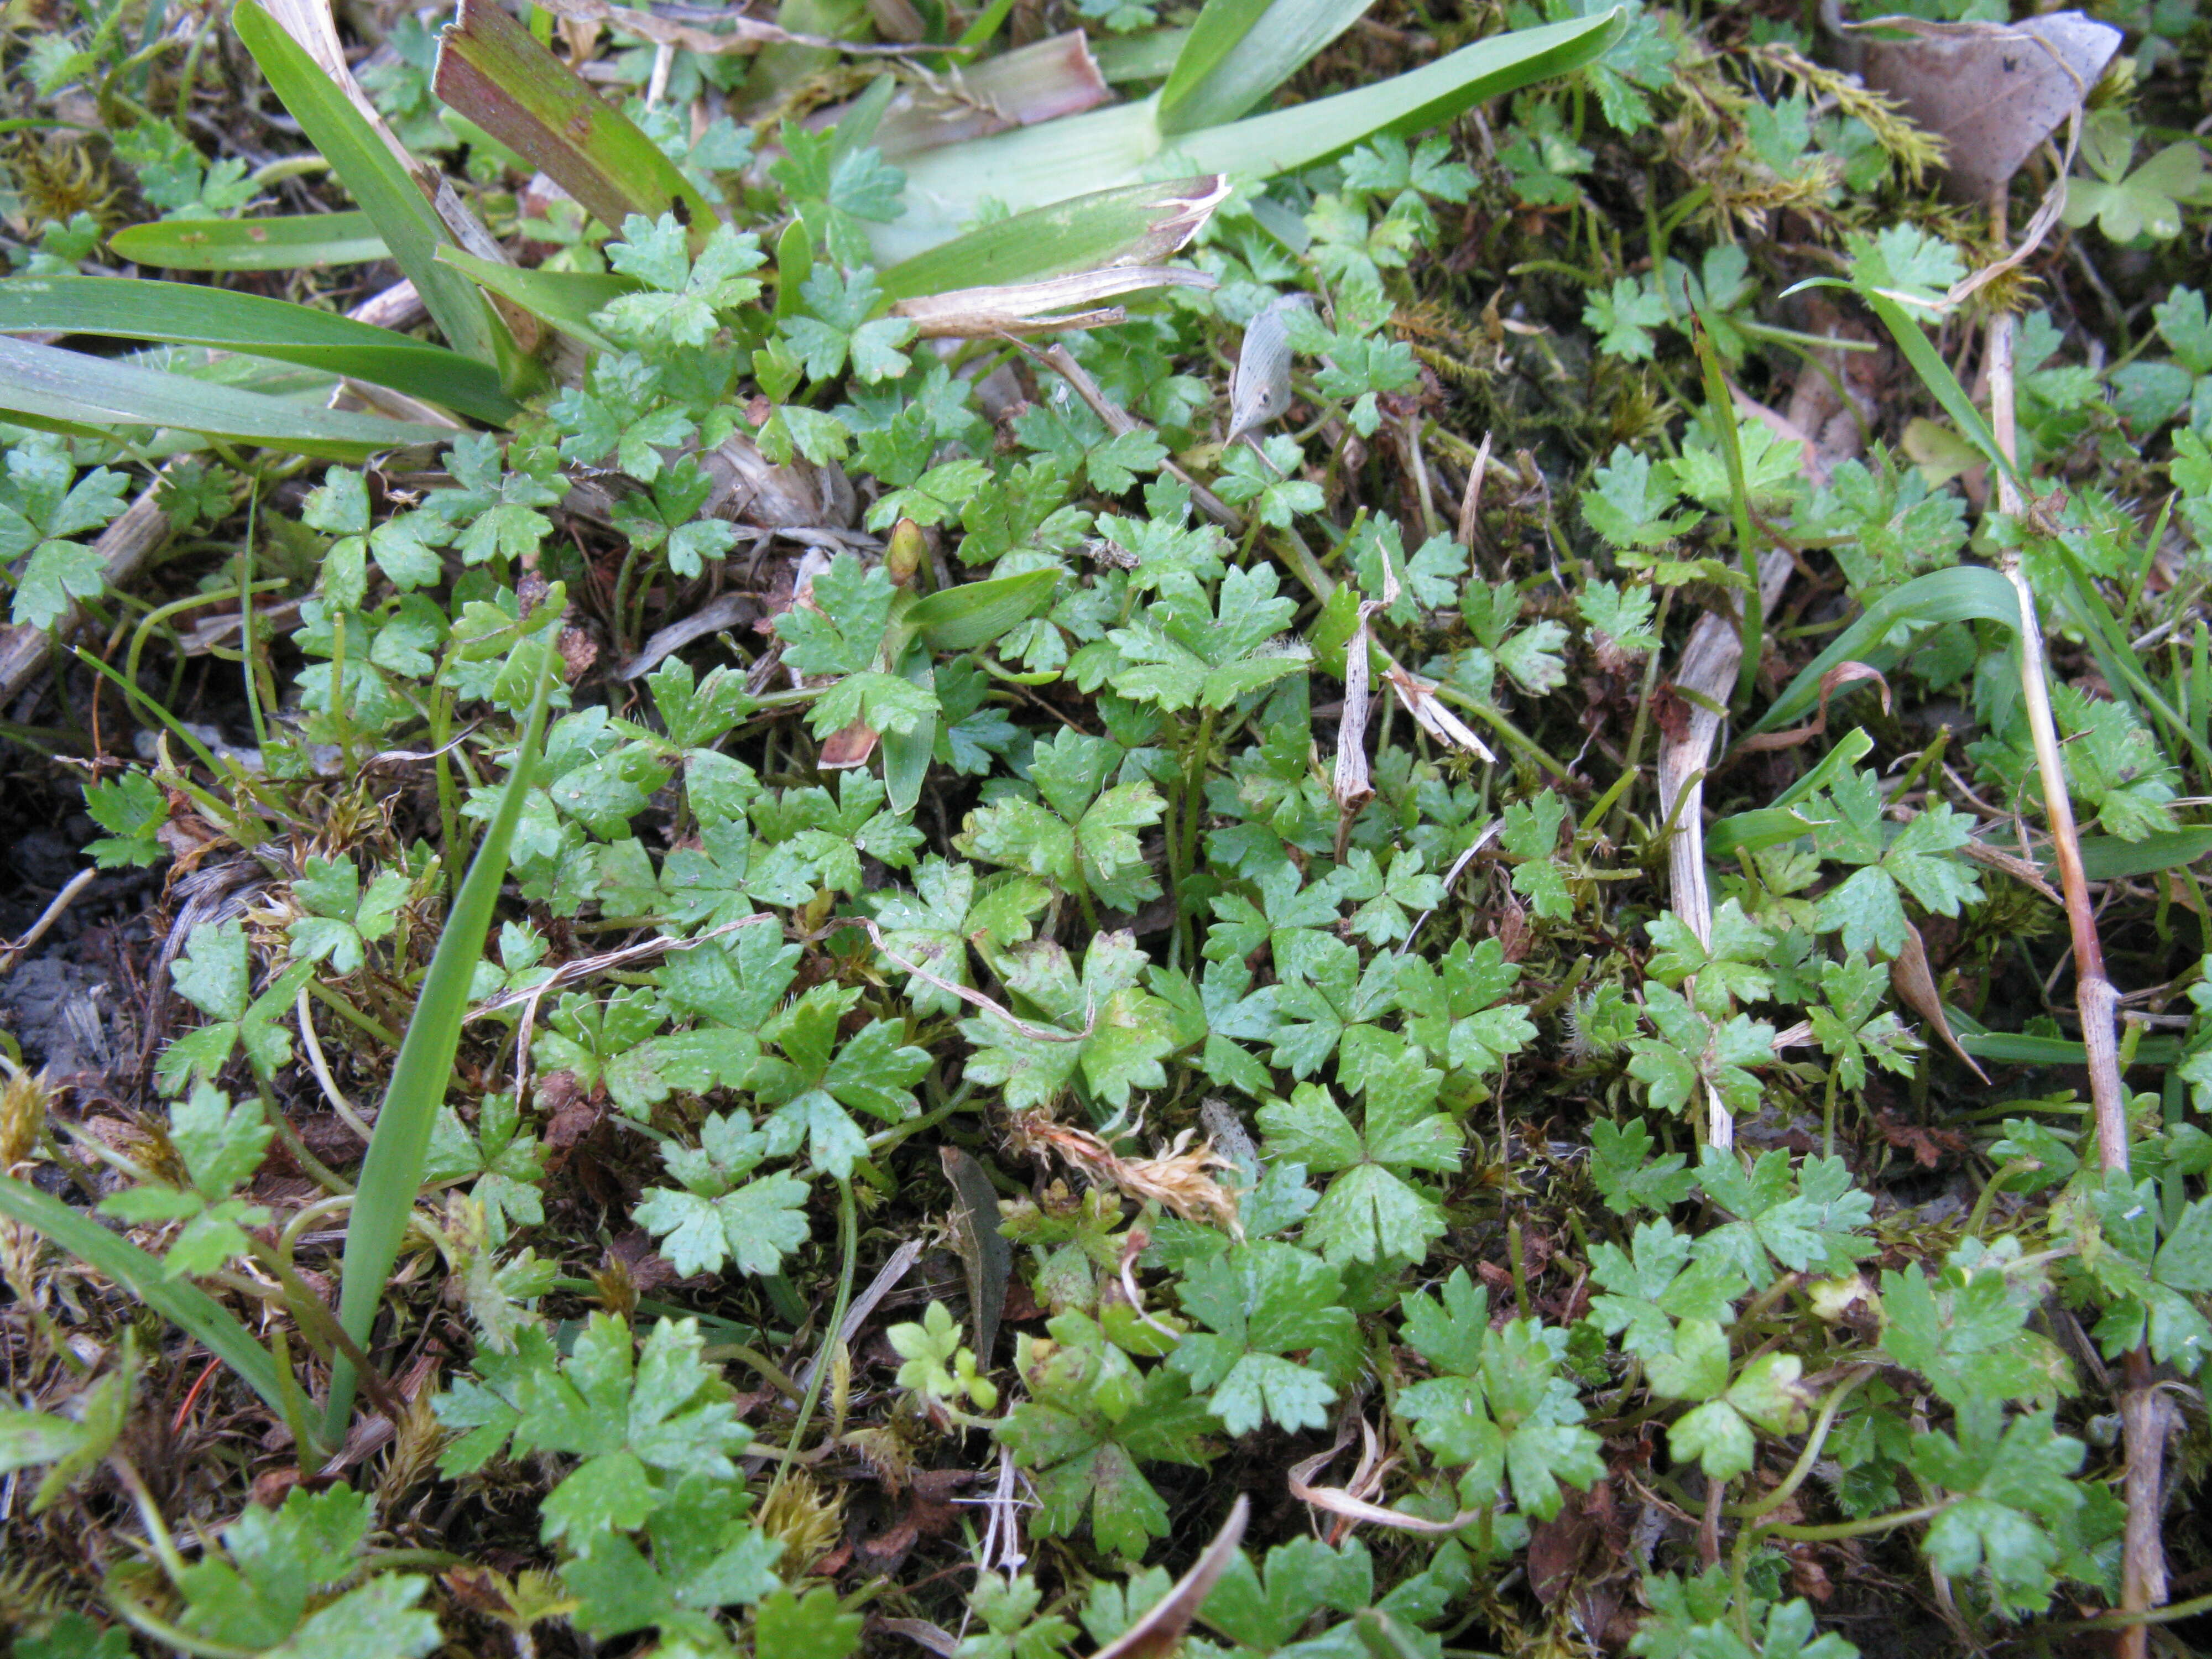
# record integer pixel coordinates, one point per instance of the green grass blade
(287, 244)
(1148, 57)
(564, 298)
(1782, 821)
(2012, 1048)
(410, 225)
(493, 71)
(186, 314)
(392, 1173)
(1720, 407)
(1288, 139)
(1965, 592)
(1111, 148)
(47, 383)
(1240, 51)
(1221, 25)
(1853, 746)
(975, 613)
(2115, 656)
(183, 1304)
(1943, 385)
(1136, 225)
(907, 753)
(2107, 857)
(1029, 167)
(1747, 832)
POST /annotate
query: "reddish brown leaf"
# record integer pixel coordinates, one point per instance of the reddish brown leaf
(1916, 985)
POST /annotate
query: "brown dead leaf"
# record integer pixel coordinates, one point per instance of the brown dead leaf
(479, 1590)
(579, 651)
(1514, 937)
(648, 1270)
(984, 1252)
(189, 839)
(1042, 81)
(1844, 673)
(739, 33)
(272, 1486)
(850, 746)
(571, 1114)
(1927, 1147)
(1808, 1577)
(1556, 1549)
(1161, 1631)
(1916, 984)
(2180, 892)
(1992, 91)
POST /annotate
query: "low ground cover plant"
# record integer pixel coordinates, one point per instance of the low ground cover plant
(1098, 830)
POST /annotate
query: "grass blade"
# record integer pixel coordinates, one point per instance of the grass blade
(1109, 148)
(410, 225)
(50, 385)
(287, 244)
(1030, 168)
(1044, 81)
(1719, 409)
(392, 1173)
(1762, 826)
(2014, 1049)
(1240, 51)
(2107, 857)
(907, 753)
(563, 299)
(183, 1304)
(186, 314)
(1943, 385)
(493, 71)
(1148, 57)
(1291, 138)
(1965, 592)
(974, 614)
(1136, 225)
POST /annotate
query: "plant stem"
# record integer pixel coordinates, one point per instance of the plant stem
(2095, 997)
(247, 647)
(2172, 1614)
(1631, 757)
(1865, 1528)
(449, 808)
(345, 1010)
(1981, 1210)
(1720, 403)
(139, 1619)
(848, 1247)
(149, 1512)
(311, 1166)
(2143, 1564)
(1194, 814)
(1813, 1441)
